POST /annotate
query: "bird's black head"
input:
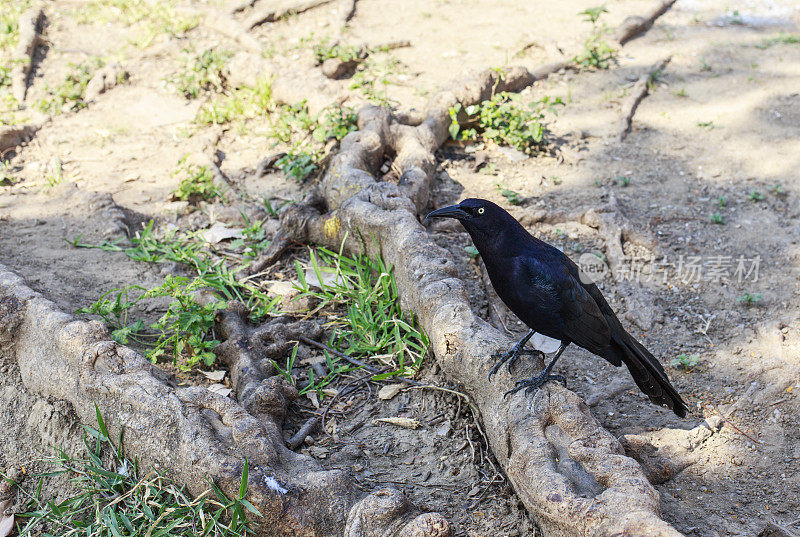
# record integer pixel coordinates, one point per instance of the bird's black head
(483, 220)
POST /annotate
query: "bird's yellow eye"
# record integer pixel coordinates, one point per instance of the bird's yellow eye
(481, 210)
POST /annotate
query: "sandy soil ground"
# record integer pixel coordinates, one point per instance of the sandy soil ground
(722, 120)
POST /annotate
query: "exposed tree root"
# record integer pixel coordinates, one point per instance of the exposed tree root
(13, 135)
(639, 92)
(104, 79)
(573, 478)
(192, 433)
(667, 452)
(30, 27)
(230, 27)
(633, 27)
(349, 12)
(264, 12)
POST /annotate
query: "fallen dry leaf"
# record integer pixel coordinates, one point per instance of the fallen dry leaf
(220, 232)
(216, 376)
(389, 391)
(408, 423)
(220, 389)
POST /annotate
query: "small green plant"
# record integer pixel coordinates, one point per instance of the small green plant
(721, 202)
(114, 499)
(55, 172)
(685, 361)
(716, 218)
(472, 251)
(514, 198)
(597, 53)
(113, 307)
(623, 181)
(505, 121)
(197, 183)
(203, 71)
(335, 122)
(706, 124)
(681, 93)
(749, 299)
(298, 164)
(186, 326)
(704, 65)
(755, 196)
(373, 326)
(777, 190)
(69, 95)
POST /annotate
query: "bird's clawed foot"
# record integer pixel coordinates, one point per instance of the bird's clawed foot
(532, 384)
(511, 357)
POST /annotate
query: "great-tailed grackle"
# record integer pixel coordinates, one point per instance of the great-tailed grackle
(544, 288)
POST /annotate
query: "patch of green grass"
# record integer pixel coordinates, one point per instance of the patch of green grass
(113, 499)
(782, 39)
(504, 120)
(325, 50)
(197, 183)
(202, 71)
(623, 181)
(373, 325)
(721, 202)
(69, 95)
(514, 198)
(755, 196)
(704, 65)
(150, 19)
(238, 105)
(749, 299)
(10, 12)
(218, 267)
(685, 361)
(597, 53)
(716, 218)
(308, 134)
(184, 331)
(706, 124)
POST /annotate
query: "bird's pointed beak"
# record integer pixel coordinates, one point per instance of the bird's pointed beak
(453, 211)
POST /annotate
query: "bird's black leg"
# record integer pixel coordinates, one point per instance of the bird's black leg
(512, 355)
(533, 384)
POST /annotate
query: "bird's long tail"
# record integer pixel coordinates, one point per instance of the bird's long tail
(649, 374)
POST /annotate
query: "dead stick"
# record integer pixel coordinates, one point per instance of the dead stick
(300, 436)
(352, 360)
(635, 26)
(729, 422)
(640, 90)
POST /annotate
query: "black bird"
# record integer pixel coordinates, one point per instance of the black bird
(544, 288)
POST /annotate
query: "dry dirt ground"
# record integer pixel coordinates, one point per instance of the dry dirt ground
(722, 120)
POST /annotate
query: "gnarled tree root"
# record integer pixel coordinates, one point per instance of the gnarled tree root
(30, 26)
(193, 434)
(571, 474)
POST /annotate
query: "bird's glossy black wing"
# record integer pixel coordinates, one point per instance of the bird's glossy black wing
(584, 322)
(580, 319)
